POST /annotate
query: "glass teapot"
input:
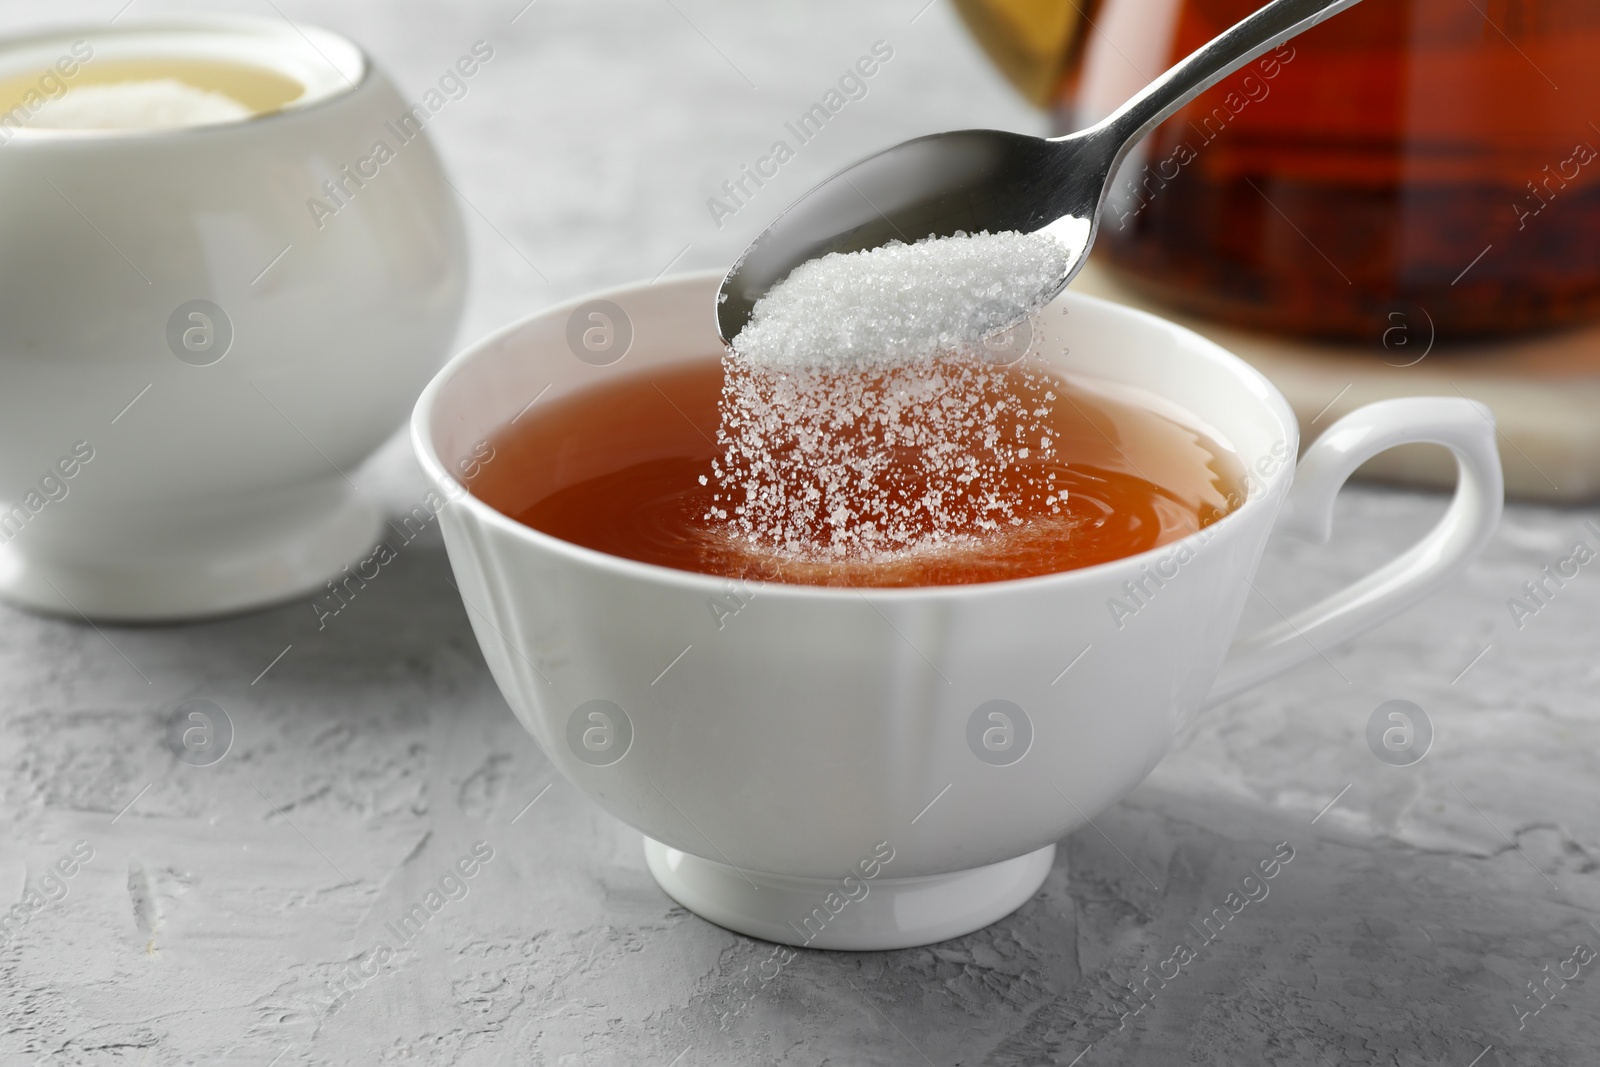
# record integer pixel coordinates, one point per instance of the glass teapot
(1421, 157)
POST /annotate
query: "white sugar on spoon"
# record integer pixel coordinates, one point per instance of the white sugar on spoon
(901, 303)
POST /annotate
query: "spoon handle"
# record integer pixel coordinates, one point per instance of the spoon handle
(1209, 64)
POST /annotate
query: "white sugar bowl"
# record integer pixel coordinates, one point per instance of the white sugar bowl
(229, 260)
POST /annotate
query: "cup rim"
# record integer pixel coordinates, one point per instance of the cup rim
(221, 21)
(457, 494)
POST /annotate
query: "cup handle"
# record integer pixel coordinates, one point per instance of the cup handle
(1467, 428)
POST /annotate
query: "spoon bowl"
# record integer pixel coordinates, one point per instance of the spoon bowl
(964, 181)
(971, 181)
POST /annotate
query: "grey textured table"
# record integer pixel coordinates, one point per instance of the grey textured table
(225, 906)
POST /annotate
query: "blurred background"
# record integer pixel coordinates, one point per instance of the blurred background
(586, 150)
(1405, 155)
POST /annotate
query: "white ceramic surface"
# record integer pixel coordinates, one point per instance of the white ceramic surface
(792, 739)
(218, 471)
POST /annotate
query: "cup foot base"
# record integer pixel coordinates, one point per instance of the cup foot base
(224, 563)
(895, 913)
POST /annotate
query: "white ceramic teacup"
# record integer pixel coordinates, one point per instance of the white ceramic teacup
(204, 329)
(883, 768)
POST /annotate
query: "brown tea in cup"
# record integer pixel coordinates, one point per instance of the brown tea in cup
(631, 468)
